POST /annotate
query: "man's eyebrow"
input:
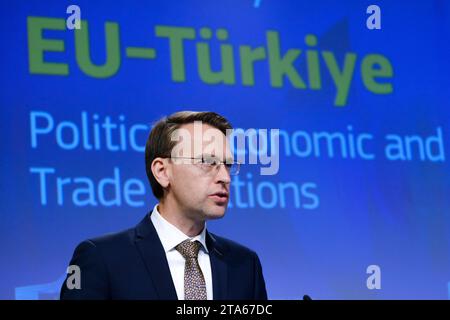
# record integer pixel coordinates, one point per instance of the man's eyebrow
(227, 160)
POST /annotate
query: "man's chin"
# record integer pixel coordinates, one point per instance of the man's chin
(216, 212)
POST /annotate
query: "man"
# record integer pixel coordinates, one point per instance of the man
(170, 254)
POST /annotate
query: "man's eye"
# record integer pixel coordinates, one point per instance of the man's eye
(210, 161)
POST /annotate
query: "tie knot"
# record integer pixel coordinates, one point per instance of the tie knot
(188, 248)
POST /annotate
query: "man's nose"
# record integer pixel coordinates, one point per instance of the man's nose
(223, 176)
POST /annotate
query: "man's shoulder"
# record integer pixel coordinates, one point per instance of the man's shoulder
(231, 247)
(118, 237)
(111, 243)
(121, 237)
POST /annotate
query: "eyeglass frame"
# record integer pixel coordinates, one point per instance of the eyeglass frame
(216, 165)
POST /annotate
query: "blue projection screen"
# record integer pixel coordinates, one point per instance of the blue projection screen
(360, 99)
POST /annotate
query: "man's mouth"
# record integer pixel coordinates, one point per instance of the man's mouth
(220, 197)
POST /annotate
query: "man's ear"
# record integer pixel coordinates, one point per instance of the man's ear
(160, 170)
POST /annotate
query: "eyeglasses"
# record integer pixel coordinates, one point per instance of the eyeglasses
(210, 163)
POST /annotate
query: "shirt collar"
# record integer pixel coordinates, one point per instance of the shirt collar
(170, 235)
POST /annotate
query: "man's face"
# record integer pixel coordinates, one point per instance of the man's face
(201, 191)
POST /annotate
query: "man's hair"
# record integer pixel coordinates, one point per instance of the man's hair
(160, 144)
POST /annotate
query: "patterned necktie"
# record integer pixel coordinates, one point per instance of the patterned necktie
(194, 282)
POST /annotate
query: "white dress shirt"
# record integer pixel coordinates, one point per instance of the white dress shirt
(170, 237)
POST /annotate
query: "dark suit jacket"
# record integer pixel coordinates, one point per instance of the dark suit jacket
(132, 264)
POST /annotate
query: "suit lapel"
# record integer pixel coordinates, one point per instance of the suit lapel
(218, 268)
(152, 252)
